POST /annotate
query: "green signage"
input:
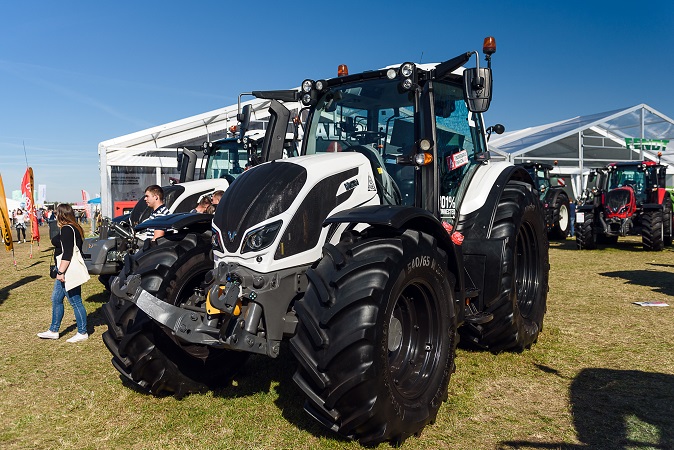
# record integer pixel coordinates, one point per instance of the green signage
(646, 144)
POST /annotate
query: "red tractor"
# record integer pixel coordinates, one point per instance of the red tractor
(628, 198)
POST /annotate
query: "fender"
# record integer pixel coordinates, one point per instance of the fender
(400, 217)
(192, 221)
(653, 207)
(483, 256)
(477, 209)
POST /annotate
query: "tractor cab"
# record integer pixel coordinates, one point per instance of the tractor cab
(641, 178)
(418, 159)
(540, 173)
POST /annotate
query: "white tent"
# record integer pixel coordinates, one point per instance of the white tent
(12, 204)
(130, 163)
(576, 145)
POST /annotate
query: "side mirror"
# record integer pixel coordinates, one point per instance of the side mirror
(244, 119)
(477, 89)
(187, 165)
(498, 129)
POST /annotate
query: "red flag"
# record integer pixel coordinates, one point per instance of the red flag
(27, 190)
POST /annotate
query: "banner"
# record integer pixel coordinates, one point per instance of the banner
(27, 190)
(5, 222)
(41, 194)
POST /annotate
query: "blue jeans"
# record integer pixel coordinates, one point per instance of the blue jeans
(75, 298)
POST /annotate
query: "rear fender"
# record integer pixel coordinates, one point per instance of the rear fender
(653, 207)
(478, 207)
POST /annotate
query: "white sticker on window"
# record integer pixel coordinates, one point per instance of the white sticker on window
(457, 160)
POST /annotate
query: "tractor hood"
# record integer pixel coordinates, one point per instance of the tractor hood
(276, 210)
(620, 203)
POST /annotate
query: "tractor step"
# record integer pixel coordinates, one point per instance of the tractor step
(472, 314)
(478, 318)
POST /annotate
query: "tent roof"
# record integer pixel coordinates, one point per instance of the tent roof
(617, 125)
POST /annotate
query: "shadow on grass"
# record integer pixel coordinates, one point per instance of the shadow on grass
(4, 292)
(261, 374)
(662, 282)
(618, 409)
(95, 319)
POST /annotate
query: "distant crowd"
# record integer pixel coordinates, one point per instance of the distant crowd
(44, 216)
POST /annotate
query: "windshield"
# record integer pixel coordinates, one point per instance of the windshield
(628, 176)
(375, 119)
(227, 160)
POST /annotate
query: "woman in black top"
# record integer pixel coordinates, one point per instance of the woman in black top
(70, 234)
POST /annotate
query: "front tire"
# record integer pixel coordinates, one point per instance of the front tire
(586, 238)
(148, 354)
(377, 336)
(652, 232)
(519, 308)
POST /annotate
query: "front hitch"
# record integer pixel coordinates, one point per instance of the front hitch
(186, 325)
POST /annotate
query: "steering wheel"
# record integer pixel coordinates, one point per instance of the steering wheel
(368, 136)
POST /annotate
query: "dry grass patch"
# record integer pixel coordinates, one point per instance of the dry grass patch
(601, 375)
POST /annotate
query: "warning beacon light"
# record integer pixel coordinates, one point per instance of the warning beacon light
(342, 70)
(489, 46)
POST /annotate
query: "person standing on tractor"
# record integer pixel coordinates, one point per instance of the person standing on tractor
(154, 197)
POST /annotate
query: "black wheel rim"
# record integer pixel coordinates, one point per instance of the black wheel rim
(414, 340)
(526, 269)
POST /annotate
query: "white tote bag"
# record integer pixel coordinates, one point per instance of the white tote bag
(76, 274)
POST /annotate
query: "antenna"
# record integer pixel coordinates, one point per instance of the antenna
(421, 58)
(24, 152)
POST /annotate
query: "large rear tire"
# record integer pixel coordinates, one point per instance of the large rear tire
(377, 336)
(519, 309)
(560, 218)
(148, 354)
(652, 231)
(586, 238)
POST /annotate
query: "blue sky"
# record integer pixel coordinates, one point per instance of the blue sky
(75, 73)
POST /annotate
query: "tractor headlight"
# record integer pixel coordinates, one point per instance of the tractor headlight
(408, 76)
(320, 85)
(307, 86)
(391, 74)
(216, 241)
(407, 70)
(261, 238)
(306, 99)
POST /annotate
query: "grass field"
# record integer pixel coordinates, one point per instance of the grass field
(601, 375)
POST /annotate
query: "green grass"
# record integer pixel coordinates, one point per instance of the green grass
(600, 376)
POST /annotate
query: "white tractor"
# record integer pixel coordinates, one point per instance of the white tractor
(391, 236)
